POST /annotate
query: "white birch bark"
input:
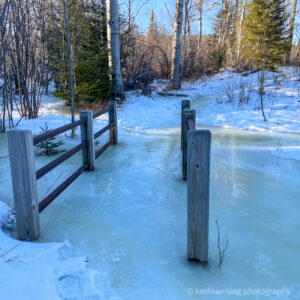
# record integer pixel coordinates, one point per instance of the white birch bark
(184, 31)
(69, 48)
(292, 21)
(244, 2)
(175, 78)
(113, 39)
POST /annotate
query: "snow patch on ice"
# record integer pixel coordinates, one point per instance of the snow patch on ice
(262, 264)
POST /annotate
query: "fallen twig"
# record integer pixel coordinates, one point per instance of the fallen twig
(11, 249)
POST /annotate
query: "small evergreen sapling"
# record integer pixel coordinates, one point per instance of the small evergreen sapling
(51, 145)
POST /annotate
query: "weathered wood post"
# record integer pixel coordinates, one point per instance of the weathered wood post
(113, 120)
(198, 177)
(23, 173)
(187, 114)
(185, 104)
(87, 133)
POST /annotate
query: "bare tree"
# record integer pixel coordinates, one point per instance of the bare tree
(26, 54)
(261, 90)
(69, 48)
(200, 10)
(113, 39)
(175, 75)
(6, 83)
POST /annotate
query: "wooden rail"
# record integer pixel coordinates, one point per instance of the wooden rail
(53, 164)
(196, 146)
(45, 202)
(24, 175)
(52, 133)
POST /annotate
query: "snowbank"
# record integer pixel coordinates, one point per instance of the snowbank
(236, 102)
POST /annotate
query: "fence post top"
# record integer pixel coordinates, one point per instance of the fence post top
(185, 101)
(86, 112)
(200, 132)
(16, 131)
(189, 111)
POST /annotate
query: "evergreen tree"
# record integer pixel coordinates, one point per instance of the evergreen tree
(152, 29)
(266, 33)
(92, 76)
(89, 45)
(49, 146)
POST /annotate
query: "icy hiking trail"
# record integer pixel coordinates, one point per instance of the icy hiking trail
(129, 216)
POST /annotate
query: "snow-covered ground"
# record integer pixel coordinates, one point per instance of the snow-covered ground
(119, 232)
(232, 90)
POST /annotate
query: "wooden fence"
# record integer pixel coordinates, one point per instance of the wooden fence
(24, 175)
(196, 145)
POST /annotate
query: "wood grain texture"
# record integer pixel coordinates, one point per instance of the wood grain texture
(113, 119)
(198, 177)
(22, 165)
(187, 114)
(185, 104)
(87, 133)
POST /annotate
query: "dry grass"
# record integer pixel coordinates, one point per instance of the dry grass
(94, 106)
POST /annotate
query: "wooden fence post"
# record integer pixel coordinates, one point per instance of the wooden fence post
(23, 173)
(87, 133)
(198, 173)
(187, 114)
(185, 104)
(113, 119)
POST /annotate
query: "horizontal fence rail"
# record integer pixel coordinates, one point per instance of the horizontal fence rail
(100, 113)
(100, 151)
(196, 147)
(103, 130)
(53, 164)
(52, 133)
(45, 202)
(191, 124)
(25, 176)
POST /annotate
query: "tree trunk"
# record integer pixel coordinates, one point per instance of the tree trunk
(69, 48)
(200, 11)
(244, 2)
(236, 12)
(185, 19)
(175, 78)
(113, 39)
(292, 22)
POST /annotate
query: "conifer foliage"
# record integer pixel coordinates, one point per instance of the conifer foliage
(50, 146)
(266, 33)
(89, 51)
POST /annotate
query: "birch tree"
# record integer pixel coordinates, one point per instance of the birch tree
(239, 31)
(292, 21)
(184, 32)
(69, 48)
(175, 76)
(113, 40)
